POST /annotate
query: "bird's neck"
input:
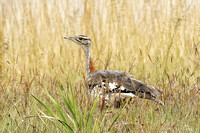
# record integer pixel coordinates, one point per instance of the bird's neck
(89, 63)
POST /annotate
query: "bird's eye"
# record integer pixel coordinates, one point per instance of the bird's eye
(80, 38)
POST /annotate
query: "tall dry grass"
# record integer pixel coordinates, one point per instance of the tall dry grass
(158, 42)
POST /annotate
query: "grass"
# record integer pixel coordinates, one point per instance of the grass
(158, 42)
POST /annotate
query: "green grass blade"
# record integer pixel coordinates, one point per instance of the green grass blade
(57, 106)
(53, 114)
(72, 94)
(70, 107)
(47, 108)
(68, 102)
(73, 100)
(66, 125)
(91, 114)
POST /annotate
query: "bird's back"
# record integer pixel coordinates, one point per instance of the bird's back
(115, 81)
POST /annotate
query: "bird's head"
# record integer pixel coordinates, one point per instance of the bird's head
(82, 41)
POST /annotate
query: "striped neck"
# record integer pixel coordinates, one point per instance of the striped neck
(89, 63)
(87, 52)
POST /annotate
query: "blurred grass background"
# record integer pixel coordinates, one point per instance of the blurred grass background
(158, 42)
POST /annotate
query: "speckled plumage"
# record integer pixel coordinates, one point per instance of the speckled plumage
(121, 82)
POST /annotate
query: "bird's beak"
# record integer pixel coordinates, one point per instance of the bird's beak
(70, 38)
(67, 37)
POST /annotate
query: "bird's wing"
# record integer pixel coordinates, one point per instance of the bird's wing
(123, 82)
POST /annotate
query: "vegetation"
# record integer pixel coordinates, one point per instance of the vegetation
(158, 42)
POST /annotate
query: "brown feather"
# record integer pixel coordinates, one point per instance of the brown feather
(92, 67)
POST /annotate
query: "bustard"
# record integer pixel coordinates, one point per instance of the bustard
(111, 82)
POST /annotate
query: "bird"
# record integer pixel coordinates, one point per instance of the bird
(112, 82)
